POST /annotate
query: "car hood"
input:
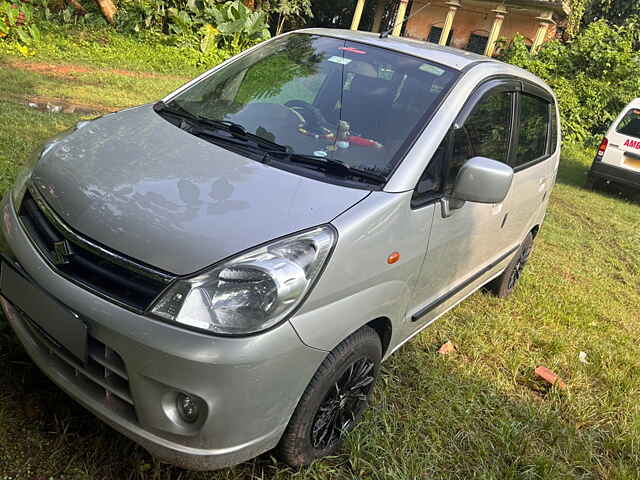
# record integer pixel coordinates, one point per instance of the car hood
(141, 186)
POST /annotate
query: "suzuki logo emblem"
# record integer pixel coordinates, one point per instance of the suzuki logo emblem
(61, 252)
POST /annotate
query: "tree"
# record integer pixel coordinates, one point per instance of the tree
(333, 13)
(615, 11)
(289, 10)
(108, 9)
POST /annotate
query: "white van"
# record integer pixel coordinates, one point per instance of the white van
(618, 157)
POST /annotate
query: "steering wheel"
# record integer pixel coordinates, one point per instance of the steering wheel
(313, 119)
(316, 124)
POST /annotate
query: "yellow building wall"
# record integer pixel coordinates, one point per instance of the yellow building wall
(472, 19)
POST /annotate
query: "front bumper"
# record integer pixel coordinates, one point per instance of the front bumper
(249, 386)
(622, 176)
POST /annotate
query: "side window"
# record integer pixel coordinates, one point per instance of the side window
(430, 183)
(630, 124)
(461, 151)
(534, 130)
(489, 126)
(553, 142)
(486, 133)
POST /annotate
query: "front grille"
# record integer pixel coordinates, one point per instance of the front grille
(104, 377)
(81, 260)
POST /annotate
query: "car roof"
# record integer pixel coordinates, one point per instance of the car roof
(635, 103)
(452, 57)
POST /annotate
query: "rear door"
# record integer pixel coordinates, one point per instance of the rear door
(624, 140)
(531, 159)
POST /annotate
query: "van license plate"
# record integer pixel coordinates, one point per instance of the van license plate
(64, 326)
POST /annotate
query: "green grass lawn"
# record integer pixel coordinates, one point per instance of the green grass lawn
(477, 413)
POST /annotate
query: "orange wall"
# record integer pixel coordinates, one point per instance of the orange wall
(470, 20)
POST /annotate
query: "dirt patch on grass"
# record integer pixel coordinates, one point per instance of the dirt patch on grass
(57, 105)
(62, 70)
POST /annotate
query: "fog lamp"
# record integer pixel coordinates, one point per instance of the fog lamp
(187, 407)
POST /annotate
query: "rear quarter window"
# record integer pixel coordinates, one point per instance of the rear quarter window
(553, 116)
(630, 124)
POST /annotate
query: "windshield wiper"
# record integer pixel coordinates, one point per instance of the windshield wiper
(330, 164)
(235, 129)
(214, 137)
(197, 124)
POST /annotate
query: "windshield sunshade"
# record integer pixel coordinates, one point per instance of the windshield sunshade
(324, 97)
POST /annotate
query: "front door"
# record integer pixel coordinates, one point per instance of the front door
(462, 244)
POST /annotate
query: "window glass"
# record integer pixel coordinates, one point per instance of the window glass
(554, 128)
(488, 127)
(436, 32)
(534, 129)
(630, 124)
(477, 43)
(461, 151)
(485, 134)
(325, 97)
(431, 181)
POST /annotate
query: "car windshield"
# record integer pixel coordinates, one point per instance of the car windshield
(630, 124)
(325, 97)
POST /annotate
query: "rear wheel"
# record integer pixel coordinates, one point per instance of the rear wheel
(334, 400)
(504, 285)
(591, 183)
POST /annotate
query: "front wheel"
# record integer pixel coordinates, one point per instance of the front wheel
(504, 285)
(334, 400)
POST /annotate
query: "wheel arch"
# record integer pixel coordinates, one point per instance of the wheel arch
(383, 327)
(534, 231)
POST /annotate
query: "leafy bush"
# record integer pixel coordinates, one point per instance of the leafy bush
(594, 75)
(231, 25)
(212, 29)
(139, 15)
(16, 22)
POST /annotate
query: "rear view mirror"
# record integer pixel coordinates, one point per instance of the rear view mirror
(483, 180)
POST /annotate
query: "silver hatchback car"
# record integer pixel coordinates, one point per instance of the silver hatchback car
(222, 272)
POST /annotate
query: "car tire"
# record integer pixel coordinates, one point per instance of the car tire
(589, 184)
(504, 285)
(325, 413)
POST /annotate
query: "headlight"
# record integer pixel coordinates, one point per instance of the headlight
(20, 186)
(253, 291)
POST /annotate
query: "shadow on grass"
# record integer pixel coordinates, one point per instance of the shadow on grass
(429, 420)
(572, 171)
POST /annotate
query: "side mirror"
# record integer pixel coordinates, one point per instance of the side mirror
(483, 180)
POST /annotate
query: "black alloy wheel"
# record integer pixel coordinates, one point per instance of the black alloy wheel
(343, 404)
(334, 400)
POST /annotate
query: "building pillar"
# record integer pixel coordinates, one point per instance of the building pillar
(545, 19)
(448, 22)
(377, 17)
(357, 15)
(500, 12)
(402, 10)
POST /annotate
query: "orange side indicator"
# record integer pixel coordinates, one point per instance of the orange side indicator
(393, 258)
